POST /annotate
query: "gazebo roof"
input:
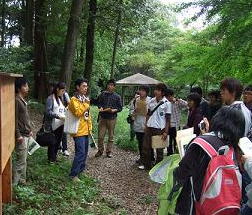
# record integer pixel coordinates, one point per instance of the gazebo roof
(137, 79)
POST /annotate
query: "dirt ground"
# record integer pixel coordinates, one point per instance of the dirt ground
(121, 183)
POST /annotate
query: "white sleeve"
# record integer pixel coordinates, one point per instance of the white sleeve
(168, 108)
(149, 105)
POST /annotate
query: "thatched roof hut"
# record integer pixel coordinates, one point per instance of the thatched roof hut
(135, 81)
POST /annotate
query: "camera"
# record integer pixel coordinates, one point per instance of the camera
(202, 125)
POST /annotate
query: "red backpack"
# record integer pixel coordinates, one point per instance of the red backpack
(221, 191)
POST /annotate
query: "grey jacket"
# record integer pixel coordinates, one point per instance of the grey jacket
(49, 115)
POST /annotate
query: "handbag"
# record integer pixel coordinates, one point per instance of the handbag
(44, 138)
(72, 122)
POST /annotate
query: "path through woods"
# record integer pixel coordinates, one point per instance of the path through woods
(122, 185)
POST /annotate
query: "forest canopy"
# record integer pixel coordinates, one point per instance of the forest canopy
(50, 40)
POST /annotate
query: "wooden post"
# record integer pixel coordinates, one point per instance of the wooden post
(6, 183)
(1, 191)
(7, 135)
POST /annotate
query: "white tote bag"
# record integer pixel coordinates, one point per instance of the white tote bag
(71, 123)
(59, 109)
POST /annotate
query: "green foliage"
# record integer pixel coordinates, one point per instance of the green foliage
(16, 60)
(228, 36)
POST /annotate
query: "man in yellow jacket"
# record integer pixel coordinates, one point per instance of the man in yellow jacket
(79, 105)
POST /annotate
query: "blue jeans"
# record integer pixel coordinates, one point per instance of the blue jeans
(81, 151)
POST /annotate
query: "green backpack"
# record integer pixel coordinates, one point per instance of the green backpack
(168, 192)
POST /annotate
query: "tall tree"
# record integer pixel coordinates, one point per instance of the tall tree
(40, 52)
(117, 31)
(3, 23)
(29, 22)
(70, 42)
(90, 39)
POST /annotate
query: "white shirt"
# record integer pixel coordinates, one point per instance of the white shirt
(246, 113)
(158, 119)
(140, 120)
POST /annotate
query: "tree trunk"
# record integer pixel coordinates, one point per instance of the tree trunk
(82, 48)
(3, 23)
(40, 52)
(70, 42)
(29, 22)
(117, 30)
(90, 40)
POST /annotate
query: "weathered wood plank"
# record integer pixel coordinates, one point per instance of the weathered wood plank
(6, 183)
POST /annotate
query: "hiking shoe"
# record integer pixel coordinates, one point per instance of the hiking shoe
(98, 154)
(141, 167)
(109, 155)
(76, 179)
(66, 153)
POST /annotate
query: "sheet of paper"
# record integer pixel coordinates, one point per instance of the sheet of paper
(246, 146)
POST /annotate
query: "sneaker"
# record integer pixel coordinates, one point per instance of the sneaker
(60, 151)
(141, 167)
(76, 179)
(66, 153)
(109, 155)
(98, 154)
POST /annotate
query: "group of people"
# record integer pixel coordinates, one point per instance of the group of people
(225, 117)
(166, 119)
(52, 132)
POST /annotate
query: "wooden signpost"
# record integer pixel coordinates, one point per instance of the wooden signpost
(7, 134)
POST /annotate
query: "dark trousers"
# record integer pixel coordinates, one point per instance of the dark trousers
(132, 132)
(64, 142)
(55, 144)
(246, 180)
(80, 156)
(140, 140)
(148, 152)
(172, 141)
(246, 210)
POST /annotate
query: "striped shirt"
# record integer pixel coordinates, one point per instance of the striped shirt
(176, 112)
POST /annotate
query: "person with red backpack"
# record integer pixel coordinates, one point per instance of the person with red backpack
(209, 172)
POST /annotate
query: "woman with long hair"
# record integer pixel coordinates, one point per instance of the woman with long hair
(194, 114)
(54, 119)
